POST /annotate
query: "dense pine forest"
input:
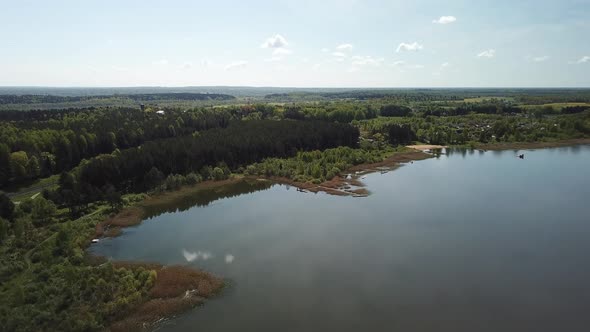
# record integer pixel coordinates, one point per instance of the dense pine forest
(63, 171)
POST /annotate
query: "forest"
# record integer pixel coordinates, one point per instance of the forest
(64, 171)
(47, 99)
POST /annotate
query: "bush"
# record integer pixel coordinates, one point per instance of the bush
(193, 178)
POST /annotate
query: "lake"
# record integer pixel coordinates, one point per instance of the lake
(468, 241)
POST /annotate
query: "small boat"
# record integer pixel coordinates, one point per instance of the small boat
(95, 240)
(521, 156)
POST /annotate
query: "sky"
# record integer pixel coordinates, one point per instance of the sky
(296, 43)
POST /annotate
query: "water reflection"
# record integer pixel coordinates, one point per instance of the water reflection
(196, 255)
(207, 196)
(191, 256)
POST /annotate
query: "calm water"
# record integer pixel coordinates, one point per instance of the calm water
(466, 242)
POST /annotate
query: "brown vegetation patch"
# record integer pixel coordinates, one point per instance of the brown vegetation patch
(129, 216)
(113, 231)
(426, 147)
(391, 161)
(175, 280)
(176, 289)
(144, 318)
(331, 191)
(360, 192)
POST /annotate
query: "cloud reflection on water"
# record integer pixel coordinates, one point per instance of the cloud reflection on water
(229, 258)
(195, 255)
(191, 256)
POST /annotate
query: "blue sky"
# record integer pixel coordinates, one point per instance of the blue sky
(296, 43)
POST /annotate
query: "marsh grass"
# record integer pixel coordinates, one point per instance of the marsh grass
(176, 289)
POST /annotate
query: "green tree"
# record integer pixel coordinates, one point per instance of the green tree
(63, 243)
(113, 197)
(218, 174)
(33, 167)
(153, 178)
(19, 161)
(5, 164)
(20, 230)
(4, 226)
(42, 210)
(6, 207)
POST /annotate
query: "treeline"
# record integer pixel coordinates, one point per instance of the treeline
(38, 144)
(315, 166)
(240, 144)
(338, 112)
(548, 96)
(395, 110)
(481, 128)
(480, 108)
(574, 109)
(49, 99)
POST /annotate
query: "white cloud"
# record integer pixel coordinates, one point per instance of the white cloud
(281, 52)
(445, 20)
(366, 61)
(119, 68)
(540, 58)
(339, 56)
(409, 47)
(487, 54)
(276, 41)
(441, 68)
(187, 65)
(189, 256)
(584, 59)
(344, 47)
(236, 65)
(316, 66)
(229, 258)
(161, 62)
(273, 59)
(325, 50)
(403, 65)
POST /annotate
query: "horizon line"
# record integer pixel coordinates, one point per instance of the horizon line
(287, 87)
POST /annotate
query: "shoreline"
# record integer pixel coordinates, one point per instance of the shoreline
(134, 214)
(176, 289)
(350, 185)
(339, 186)
(179, 288)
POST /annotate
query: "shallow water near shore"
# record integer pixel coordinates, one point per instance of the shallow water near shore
(467, 241)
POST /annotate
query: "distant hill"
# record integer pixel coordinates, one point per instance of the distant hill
(49, 99)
